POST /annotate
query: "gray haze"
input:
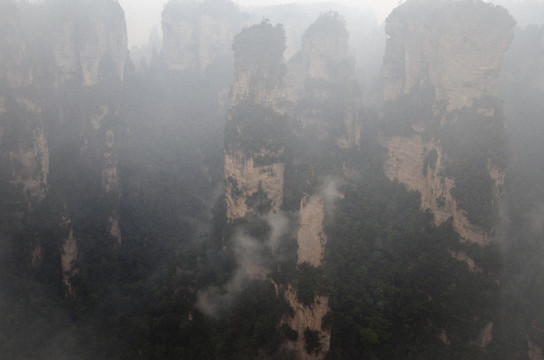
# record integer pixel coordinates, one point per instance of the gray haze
(143, 15)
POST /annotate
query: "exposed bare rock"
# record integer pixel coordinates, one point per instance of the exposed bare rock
(258, 65)
(311, 238)
(325, 47)
(198, 35)
(178, 36)
(444, 337)
(462, 256)
(244, 178)
(309, 317)
(323, 74)
(457, 47)
(22, 135)
(486, 335)
(352, 136)
(36, 257)
(454, 49)
(405, 162)
(33, 165)
(27, 152)
(535, 351)
(317, 82)
(110, 177)
(93, 50)
(68, 256)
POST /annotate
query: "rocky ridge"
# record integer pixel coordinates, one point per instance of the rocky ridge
(82, 58)
(300, 96)
(460, 64)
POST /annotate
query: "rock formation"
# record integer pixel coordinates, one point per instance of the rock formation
(25, 150)
(440, 82)
(438, 66)
(92, 48)
(274, 106)
(197, 35)
(458, 51)
(60, 93)
(89, 57)
(311, 237)
(250, 165)
(322, 82)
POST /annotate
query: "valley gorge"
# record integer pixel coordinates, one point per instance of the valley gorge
(240, 194)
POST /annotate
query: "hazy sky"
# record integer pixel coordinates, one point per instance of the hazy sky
(142, 15)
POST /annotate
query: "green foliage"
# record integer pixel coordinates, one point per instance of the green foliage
(259, 45)
(418, 107)
(392, 283)
(254, 128)
(310, 282)
(235, 190)
(259, 201)
(472, 141)
(329, 23)
(396, 286)
(254, 323)
(289, 333)
(312, 341)
(470, 132)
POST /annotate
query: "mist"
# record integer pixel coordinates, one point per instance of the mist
(217, 179)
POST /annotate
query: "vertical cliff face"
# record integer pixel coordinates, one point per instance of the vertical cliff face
(321, 81)
(325, 48)
(408, 161)
(16, 72)
(535, 351)
(68, 255)
(311, 241)
(197, 35)
(309, 317)
(245, 178)
(59, 92)
(90, 41)
(281, 119)
(456, 50)
(440, 81)
(254, 128)
(311, 237)
(89, 53)
(25, 148)
(25, 152)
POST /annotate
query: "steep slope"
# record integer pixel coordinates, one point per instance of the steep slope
(89, 55)
(283, 118)
(445, 134)
(25, 151)
(60, 75)
(58, 98)
(253, 137)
